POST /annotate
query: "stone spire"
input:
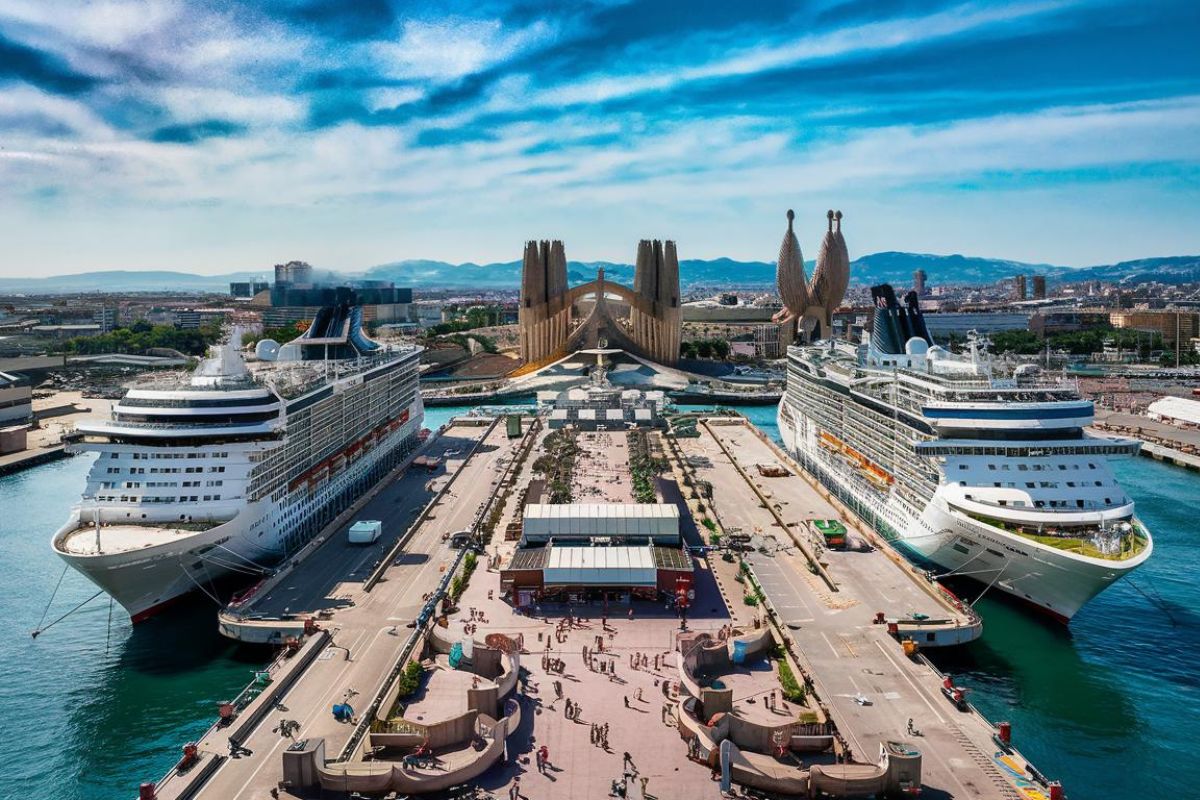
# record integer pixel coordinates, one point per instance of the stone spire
(789, 275)
(831, 276)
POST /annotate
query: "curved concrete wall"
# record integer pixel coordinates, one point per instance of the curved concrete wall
(380, 776)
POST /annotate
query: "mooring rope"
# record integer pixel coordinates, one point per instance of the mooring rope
(40, 629)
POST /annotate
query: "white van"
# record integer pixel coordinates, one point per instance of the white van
(365, 531)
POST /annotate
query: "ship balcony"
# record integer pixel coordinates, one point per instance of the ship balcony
(106, 428)
(985, 501)
(1111, 542)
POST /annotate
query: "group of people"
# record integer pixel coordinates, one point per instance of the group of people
(571, 710)
(600, 735)
(629, 770)
(639, 660)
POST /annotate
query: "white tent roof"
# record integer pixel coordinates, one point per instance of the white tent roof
(609, 566)
(1179, 408)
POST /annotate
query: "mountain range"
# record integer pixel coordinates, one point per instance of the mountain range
(893, 267)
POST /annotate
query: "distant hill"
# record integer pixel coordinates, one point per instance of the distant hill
(126, 281)
(893, 267)
(898, 268)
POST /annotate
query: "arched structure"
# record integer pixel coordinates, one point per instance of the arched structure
(808, 306)
(548, 330)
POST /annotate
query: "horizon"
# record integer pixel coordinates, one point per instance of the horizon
(266, 272)
(1058, 132)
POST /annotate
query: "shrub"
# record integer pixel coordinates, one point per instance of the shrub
(793, 690)
(750, 600)
(708, 523)
(410, 679)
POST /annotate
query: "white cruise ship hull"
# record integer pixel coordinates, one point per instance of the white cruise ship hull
(149, 579)
(1053, 582)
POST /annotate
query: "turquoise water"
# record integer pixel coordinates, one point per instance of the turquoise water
(1107, 706)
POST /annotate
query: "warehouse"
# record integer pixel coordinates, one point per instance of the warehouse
(578, 574)
(618, 522)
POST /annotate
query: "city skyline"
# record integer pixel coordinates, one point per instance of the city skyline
(220, 137)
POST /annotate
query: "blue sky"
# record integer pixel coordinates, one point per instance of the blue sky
(219, 136)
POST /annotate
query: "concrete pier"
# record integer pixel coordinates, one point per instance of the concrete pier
(870, 688)
(349, 659)
(620, 691)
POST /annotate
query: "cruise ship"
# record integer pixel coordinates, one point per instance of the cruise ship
(976, 467)
(236, 466)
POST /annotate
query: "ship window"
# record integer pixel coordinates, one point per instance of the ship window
(1071, 484)
(1091, 466)
(1003, 502)
(1107, 502)
(1039, 503)
(996, 484)
(991, 466)
(1029, 484)
(1022, 467)
(1062, 466)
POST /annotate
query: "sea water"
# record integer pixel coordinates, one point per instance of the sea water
(94, 707)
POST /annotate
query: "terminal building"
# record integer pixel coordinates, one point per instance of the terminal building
(576, 552)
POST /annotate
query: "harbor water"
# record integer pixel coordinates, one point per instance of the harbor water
(1108, 706)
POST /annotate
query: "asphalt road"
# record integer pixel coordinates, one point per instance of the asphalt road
(329, 577)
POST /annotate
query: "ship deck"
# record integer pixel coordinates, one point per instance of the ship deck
(83, 541)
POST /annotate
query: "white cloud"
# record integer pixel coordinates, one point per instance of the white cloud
(25, 103)
(392, 97)
(195, 104)
(453, 48)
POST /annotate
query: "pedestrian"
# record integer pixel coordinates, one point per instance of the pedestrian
(628, 763)
(631, 612)
(568, 708)
(514, 791)
(627, 701)
(644, 779)
(544, 756)
(537, 759)
(639, 694)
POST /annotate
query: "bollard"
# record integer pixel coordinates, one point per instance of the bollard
(147, 792)
(1005, 732)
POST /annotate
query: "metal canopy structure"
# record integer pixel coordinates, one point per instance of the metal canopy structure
(658, 522)
(600, 566)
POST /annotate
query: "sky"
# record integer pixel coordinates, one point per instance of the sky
(216, 136)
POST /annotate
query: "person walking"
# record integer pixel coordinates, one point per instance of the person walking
(544, 757)
(514, 791)
(628, 764)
